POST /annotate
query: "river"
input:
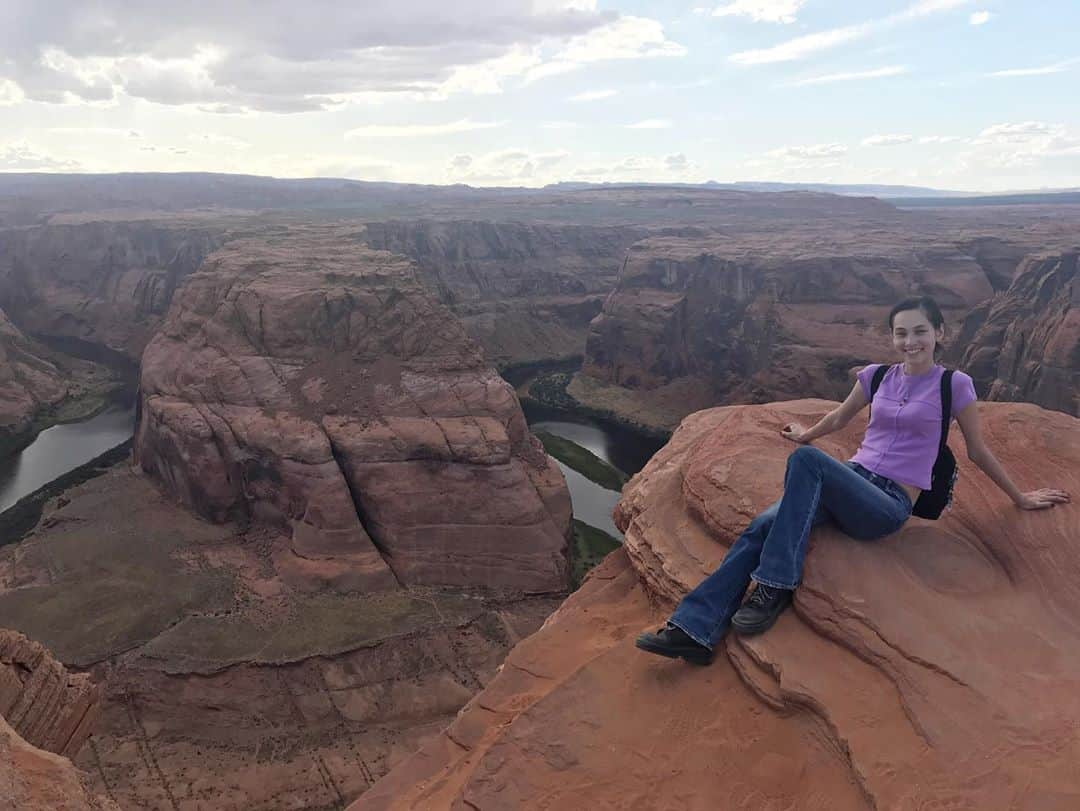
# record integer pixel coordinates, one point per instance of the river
(62, 448)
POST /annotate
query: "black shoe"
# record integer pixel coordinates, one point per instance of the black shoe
(761, 609)
(675, 643)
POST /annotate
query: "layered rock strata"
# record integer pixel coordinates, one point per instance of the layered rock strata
(907, 676)
(224, 687)
(306, 382)
(733, 325)
(102, 284)
(1024, 344)
(526, 293)
(49, 707)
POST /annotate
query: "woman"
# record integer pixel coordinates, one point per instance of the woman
(869, 496)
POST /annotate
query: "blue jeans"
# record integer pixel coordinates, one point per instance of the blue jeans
(771, 550)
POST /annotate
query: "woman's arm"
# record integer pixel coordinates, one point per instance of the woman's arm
(833, 421)
(980, 454)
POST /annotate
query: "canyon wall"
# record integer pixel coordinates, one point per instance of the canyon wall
(1024, 344)
(304, 381)
(108, 284)
(29, 384)
(937, 667)
(525, 293)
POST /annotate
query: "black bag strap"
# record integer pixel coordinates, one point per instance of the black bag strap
(875, 382)
(946, 407)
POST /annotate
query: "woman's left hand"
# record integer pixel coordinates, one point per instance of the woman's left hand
(1041, 499)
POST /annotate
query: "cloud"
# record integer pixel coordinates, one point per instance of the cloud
(216, 139)
(10, 93)
(887, 140)
(283, 57)
(560, 125)
(940, 139)
(1021, 144)
(593, 95)
(808, 44)
(638, 168)
(851, 76)
(650, 124)
(813, 152)
(1020, 132)
(420, 130)
(625, 38)
(980, 17)
(769, 11)
(22, 157)
(1056, 67)
(505, 167)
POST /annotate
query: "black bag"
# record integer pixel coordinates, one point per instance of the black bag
(932, 502)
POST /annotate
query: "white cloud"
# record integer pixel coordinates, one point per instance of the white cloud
(506, 167)
(625, 38)
(886, 140)
(813, 152)
(277, 56)
(1021, 144)
(217, 139)
(808, 44)
(10, 93)
(20, 156)
(940, 139)
(650, 124)
(851, 76)
(1056, 67)
(1020, 132)
(420, 130)
(593, 95)
(979, 17)
(639, 168)
(771, 11)
(560, 125)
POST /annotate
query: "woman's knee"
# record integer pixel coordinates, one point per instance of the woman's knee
(806, 455)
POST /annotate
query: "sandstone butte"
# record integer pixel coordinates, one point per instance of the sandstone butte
(45, 713)
(306, 382)
(699, 321)
(937, 668)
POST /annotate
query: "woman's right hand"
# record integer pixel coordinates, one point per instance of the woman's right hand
(794, 432)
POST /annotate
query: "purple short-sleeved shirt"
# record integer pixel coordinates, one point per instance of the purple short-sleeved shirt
(902, 438)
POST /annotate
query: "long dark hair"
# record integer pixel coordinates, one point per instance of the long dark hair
(928, 307)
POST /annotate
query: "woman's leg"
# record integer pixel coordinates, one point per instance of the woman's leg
(815, 484)
(705, 612)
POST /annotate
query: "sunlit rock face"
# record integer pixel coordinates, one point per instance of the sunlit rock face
(1024, 344)
(938, 666)
(305, 381)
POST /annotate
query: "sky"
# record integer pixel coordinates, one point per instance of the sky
(953, 94)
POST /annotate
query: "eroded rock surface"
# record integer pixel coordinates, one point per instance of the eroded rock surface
(29, 383)
(103, 284)
(526, 293)
(307, 382)
(1024, 344)
(908, 676)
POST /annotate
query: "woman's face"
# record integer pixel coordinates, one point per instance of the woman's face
(914, 337)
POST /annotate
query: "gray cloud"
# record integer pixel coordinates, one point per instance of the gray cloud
(274, 55)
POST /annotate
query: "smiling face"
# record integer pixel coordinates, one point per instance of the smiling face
(914, 338)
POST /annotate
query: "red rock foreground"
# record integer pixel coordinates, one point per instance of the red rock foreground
(936, 669)
(42, 705)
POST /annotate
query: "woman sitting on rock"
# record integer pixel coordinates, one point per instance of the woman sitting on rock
(869, 496)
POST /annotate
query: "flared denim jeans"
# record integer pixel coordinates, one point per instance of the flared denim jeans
(817, 488)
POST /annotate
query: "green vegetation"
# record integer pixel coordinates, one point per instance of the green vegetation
(591, 546)
(583, 461)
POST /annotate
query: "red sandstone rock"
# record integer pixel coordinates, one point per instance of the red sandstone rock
(934, 668)
(108, 284)
(43, 710)
(28, 382)
(1024, 344)
(305, 381)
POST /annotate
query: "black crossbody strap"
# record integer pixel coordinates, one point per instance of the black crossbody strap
(946, 406)
(875, 382)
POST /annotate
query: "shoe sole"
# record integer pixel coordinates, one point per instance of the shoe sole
(756, 628)
(693, 658)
